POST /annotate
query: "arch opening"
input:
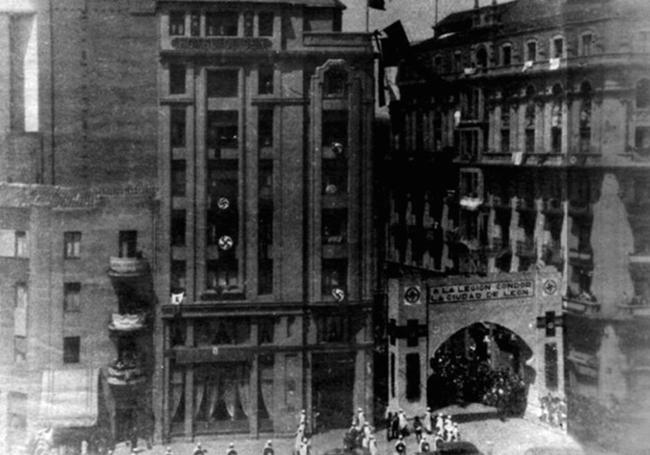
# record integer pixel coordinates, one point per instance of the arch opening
(482, 363)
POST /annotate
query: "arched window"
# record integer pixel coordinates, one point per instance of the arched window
(643, 94)
(556, 119)
(531, 51)
(586, 43)
(585, 117)
(506, 98)
(336, 83)
(506, 54)
(481, 58)
(530, 119)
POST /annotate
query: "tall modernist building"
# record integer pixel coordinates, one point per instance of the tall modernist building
(522, 132)
(266, 268)
(248, 271)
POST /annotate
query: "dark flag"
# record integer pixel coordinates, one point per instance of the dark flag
(396, 44)
(377, 4)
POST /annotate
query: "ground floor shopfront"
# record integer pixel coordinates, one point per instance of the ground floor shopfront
(254, 375)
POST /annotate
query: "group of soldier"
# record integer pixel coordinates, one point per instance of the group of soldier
(430, 431)
(360, 436)
(200, 450)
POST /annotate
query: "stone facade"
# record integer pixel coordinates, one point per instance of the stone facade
(521, 131)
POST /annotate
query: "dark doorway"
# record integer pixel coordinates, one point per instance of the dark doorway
(333, 389)
(481, 363)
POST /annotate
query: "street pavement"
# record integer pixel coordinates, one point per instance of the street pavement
(492, 437)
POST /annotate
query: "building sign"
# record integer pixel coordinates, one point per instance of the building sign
(481, 291)
(221, 44)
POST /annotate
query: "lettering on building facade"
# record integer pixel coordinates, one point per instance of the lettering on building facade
(481, 291)
(221, 44)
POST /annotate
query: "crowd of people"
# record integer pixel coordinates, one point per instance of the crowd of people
(430, 431)
(360, 436)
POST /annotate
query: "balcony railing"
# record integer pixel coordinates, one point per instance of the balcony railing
(134, 266)
(526, 248)
(125, 373)
(361, 41)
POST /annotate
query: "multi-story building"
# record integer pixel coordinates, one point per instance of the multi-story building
(522, 134)
(79, 92)
(266, 262)
(76, 311)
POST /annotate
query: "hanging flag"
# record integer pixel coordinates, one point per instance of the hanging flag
(395, 45)
(377, 4)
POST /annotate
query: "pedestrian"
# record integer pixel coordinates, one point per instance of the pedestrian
(394, 426)
(403, 424)
(268, 448)
(169, 451)
(199, 450)
(425, 446)
(389, 426)
(231, 449)
(400, 447)
(427, 423)
(361, 418)
(372, 445)
(417, 428)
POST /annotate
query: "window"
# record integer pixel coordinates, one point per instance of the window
(266, 24)
(223, 131)
(336, 83)
(437, 63)
(128, 242)
(223, 83)
(177, 128)
(265, 128)
(471, 102)
(550, 366)
(531, 51)
(21, 244)
(72, 245)
(249, 19)
(481, 58)
(71, 349)
(335, 273)
(642, 140)
(195, 23)
(265, 80)
(71, 297)
(20, 323)
(558, 47)
(585, 118)
(178, 228)
(176, 79)
(413, 377)
(176, 23)
(332, 328)
(265, 226)
(505, 123)
(506, 55)
(586, 42)
(178, 276)
(458, 62)
(265, 330)
(178, 178)
(530, 118)
(221, 23)
(233, 330)
(643, 94)
(556, 119)
(335, 226)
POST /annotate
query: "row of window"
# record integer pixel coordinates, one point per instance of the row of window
(127, 246)
(219, 23)
(71, 349)
(222, 83)
(13, 243)
(506, 55)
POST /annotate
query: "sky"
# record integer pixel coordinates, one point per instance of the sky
(417, 16)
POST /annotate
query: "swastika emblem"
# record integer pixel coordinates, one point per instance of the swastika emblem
(550, 287)
(223, 203)
(338, 294)
(412, 295)
(226, 243)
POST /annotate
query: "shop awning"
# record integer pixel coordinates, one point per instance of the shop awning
(69, 398)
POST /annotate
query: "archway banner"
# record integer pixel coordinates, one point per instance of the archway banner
(481, 291)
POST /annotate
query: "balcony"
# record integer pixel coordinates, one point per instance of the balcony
(636, 306)
(126, 372)
(128, 267)
(582, 257)
(640, 261)
(127, 323)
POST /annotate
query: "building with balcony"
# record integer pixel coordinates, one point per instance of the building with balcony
(521, 136)
(73, 259)
(266, 266)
